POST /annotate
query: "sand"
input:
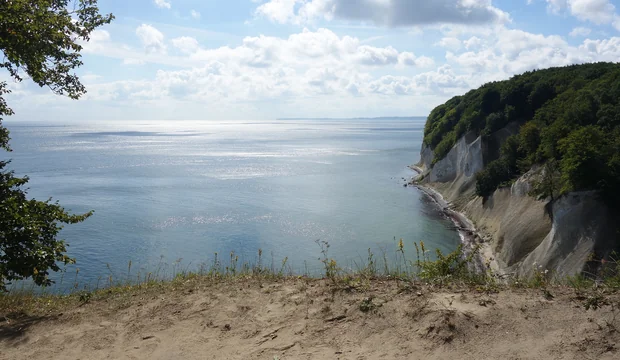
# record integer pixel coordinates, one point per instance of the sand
(312, 319)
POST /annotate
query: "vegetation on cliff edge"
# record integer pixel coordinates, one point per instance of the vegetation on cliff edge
(569, 120)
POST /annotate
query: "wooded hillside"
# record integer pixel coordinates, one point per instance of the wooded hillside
(569, 121)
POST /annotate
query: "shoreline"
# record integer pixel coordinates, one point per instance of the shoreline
(470, 236)
(416, 169)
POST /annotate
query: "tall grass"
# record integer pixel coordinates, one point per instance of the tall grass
(408, 263)
(388, 264)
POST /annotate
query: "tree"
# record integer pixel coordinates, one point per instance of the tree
(494, 121)
(548, 184)
(585, 153)
(39, 39)
(529, 141)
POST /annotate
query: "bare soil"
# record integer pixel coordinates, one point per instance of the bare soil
(313, 319)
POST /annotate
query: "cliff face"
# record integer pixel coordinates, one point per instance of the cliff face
(582, 225)
(525, 234)
(458, 168)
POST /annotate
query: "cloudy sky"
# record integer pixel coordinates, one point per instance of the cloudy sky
(263, 59)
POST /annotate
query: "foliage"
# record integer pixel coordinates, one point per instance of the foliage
(548, 185)
(494, 174)
(40, 40)
(331, 267)
(454, 265)
(29, 247)
(568, 115)
(585, 153)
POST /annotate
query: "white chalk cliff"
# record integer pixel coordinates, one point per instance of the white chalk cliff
(525, 234)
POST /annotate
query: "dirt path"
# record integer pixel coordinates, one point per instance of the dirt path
(306, 319)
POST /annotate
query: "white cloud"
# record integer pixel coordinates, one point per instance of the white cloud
(217, 83)
(442, 81)
(473, 42)
(151, 38)
(195, 14)
(384, 12)
(162, 4)
(264, 68)
(280, 11)
(99, 39)
(511, 43)
(289, 75)
(509, 52)
(321, 63)
(187, 45)
(368, 55)
(320, 48)
(580, 31)
(451, 43)
(100, 36)
(602, 50)
(596, 11)
(409, 59)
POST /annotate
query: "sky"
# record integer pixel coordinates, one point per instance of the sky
(267, 59)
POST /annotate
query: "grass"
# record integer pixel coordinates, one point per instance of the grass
(417, 266)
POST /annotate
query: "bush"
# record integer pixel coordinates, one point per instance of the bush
(494, 174)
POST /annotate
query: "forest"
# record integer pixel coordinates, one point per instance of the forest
(569, 121)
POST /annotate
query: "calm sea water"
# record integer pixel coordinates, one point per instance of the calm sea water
(165, 191)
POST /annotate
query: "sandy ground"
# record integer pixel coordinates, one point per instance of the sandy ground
(309, 319)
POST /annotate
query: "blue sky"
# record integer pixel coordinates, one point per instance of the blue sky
(253, 59)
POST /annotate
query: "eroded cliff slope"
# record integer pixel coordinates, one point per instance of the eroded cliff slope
(525, 234)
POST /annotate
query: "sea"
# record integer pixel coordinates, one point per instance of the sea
(168, 195)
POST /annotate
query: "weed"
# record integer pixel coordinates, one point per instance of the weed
(370, 270)
(597, 301)
(330, 265)
(610, 271)
(367, 305)
(540, 278)
(579, 282)
(594, 302)
(450, 267)
(85, 297)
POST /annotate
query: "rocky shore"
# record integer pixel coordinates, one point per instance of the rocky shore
(471, 238)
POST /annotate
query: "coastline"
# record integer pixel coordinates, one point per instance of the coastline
(471, 238)
(416, 169)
